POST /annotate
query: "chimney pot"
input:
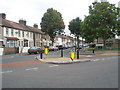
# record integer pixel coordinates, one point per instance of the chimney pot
(21, 21)
(35, 26)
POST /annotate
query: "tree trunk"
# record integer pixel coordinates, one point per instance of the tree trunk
(104, 42)
(97, 40)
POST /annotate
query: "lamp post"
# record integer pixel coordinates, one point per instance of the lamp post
(78, 46)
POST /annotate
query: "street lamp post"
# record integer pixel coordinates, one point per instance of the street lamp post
(78, 46)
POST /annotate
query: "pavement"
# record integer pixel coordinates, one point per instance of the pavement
(87, 57)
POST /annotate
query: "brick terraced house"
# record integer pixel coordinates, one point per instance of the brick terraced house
(18, 37)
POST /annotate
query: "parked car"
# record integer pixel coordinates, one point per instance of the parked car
(59, 47)
(35, 50)
(80, 47)
(53, 48)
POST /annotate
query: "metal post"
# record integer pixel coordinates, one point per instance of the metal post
(78, 54)
(41, 55)
(62, 52)
(78, 47)
(93, 51)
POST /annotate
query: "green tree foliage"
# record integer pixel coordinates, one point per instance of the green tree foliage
(88, 33)
(102, 20)
(118, 27)
(75, 27)
(52, 23)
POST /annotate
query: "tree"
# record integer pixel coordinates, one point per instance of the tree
(103, 17)
(52, 23)
(75, 28)
(118, 25)
(88, 32)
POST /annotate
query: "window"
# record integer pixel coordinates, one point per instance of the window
(12, 32)
(27, 34)
(7, 32)
(25, 43)
(31, 35)
(11, 43)
(22, 33)
(19, 33)
(19, 43)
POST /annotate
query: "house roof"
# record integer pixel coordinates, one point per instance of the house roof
(62, 36)
(15, 25)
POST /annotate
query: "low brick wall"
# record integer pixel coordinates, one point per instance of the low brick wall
(11, 50)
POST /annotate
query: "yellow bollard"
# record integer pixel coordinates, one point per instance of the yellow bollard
(72, 54)
(46, 51)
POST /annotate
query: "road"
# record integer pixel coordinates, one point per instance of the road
(101, 72)
(27, 57)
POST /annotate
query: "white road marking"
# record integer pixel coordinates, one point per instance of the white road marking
(103, 59)
(7, 71)
(89, 56)
(36, 68)
(96, 60)
(53, 65)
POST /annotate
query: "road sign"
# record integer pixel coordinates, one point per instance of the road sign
(73, 51)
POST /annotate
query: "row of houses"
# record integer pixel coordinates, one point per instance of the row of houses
(19, 37)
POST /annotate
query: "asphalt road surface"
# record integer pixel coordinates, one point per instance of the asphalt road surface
(27, 57)
(99, 73)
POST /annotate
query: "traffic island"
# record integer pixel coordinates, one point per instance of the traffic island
(63, 60)
(70, 62)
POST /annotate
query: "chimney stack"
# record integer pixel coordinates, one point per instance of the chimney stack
(21, 21)
(3, 15)
(35, 26)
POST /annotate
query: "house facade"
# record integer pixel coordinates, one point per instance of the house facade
(65, 41)
(18, 37)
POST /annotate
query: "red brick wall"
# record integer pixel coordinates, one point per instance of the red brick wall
(11, 50)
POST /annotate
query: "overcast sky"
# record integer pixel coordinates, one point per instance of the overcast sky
(33, 10)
